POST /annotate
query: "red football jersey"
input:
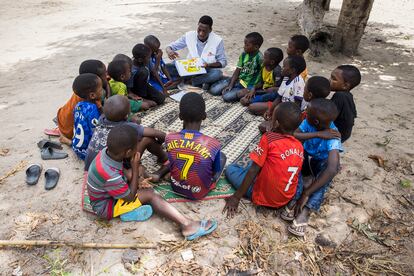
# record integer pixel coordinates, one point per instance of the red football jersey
(280, 157)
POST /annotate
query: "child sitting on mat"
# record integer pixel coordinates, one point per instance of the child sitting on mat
(247, 73)
(316, 87)
(141, 75)
(291, 89)
(273, 173)
(65, 120)
(271, 78)
(297, 46)
(160, 78)
(115, 191)
(116, 112)
(196, 161)
(321, 162)
(120, 73)
(86, 114)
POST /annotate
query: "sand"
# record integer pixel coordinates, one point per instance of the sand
(42, 45)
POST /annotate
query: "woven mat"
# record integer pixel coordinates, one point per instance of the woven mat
(231, 124)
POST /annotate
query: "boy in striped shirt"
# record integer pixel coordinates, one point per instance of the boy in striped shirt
(115, 191)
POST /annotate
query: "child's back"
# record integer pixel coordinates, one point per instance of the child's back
(195, 159)
(86, 113)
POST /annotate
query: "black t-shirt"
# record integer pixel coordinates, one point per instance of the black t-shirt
(344, 101)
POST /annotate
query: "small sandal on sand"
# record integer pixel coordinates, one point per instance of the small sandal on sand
(202, 231)
(141, 213)
(297, 229)
(52, 132)
(52, 177)
(33, 172)
(287, 214)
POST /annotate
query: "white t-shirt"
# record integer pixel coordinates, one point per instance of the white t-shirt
(293, 91)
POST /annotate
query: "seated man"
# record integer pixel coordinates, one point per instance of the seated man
(205, 44)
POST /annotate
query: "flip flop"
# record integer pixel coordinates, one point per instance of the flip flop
(297, 229)
(52, 132)
(287, 214)
(33, 172)
(202, 230)
(52, 177)
(45, 143)
(49, 153)
(141, 213)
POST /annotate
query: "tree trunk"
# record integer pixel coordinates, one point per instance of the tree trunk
(326, 5)
(351, 25)
(310, 21)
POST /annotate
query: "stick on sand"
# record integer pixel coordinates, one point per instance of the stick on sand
(19, 243)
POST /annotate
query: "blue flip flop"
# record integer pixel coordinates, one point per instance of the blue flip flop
(141, 213)
(202, 231)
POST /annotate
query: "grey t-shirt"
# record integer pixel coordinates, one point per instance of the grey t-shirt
(100, 135)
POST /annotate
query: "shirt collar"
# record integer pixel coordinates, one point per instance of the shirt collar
(109, 161)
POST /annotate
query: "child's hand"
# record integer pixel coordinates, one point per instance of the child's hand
(159, 54)
(226, 89)
(168, 84)
(232, 203)
(145, 183)
(329, 134)
(161, 137)
(135, 161)
(250, 95)
(267, 115)
(301, 203)
(135, 97)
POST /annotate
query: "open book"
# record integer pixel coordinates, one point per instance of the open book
(189, 67)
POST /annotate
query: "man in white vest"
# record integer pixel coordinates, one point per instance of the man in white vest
(205, 44)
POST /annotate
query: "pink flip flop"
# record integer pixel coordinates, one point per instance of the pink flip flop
(52, 132)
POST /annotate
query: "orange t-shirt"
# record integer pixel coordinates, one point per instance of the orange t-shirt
(65, 115)
(280, 158)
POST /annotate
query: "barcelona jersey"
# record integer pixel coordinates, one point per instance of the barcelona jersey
(194, 158)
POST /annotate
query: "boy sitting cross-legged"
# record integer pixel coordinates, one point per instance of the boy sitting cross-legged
(141, 75)
(271, 78)
(196, 160)
(113, 192)
(321, 162)
(291, 89)
(116, 112)
(247, 73)
(273, 174)
(120, 73)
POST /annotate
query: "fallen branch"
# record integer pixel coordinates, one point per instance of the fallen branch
(20, 243)
(21, 165)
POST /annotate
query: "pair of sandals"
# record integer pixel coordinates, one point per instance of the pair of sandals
(144, 212)
(34, 171)
(49, 150)
(297, 229)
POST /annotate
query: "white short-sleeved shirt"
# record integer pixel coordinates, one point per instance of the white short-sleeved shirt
(292, 91)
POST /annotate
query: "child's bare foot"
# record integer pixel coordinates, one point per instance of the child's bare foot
(299, 224)
(65, 140)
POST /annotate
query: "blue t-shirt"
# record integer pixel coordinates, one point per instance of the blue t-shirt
(160, 72)
(316, 147)
(86, 117)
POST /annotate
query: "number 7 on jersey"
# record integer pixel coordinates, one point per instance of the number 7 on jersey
(293, 171)
(189, 160)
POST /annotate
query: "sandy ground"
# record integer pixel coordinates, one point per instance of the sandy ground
(42, 45)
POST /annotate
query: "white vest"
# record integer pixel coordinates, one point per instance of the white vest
(210, 48)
